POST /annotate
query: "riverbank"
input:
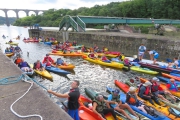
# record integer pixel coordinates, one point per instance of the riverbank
(128, 43)
(34, 102)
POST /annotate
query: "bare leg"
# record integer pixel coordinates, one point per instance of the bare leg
(126, 106)
(123, 112)
(160, 96)
(170, 95)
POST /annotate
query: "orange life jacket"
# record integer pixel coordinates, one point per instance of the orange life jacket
(19, 60)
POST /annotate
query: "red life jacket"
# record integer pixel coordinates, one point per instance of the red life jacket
(38, 65)
(48, 64)
(92, 55)
(147, 90)
(104, 58)
(154, 87)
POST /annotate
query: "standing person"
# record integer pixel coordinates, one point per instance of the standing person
(153, 55)
(141, 51)
(73, 97)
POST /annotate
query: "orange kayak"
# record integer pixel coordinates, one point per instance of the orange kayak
(163, 86)
(66, 67)
(86, 113)
(67, 54)
(165, 110)
(170, 76)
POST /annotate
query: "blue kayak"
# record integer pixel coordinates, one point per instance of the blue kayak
(123, 99)
(166, 80)
(56, 70)
(48, 43)
(175, 74)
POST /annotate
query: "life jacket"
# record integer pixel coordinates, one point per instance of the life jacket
(38, 65)
(133, 99)
(115, 98)
(48, 58)
(101, 105)
(154, 87)
(147, 90)
(142, 49)
(19, 60)
(173, 86)
(48, 64)
(104, 58)
(154, 52)
(91, 55)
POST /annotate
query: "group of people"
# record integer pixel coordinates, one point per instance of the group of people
(150, 90)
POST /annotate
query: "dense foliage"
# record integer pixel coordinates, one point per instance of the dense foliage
(134, 8)
(3, 20)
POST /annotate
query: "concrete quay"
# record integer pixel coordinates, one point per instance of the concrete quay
(34, 102)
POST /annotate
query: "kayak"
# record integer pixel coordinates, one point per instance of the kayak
(136, 68)
(66, 67)
(56, 70)
(13, 43)
(175, 74)
(67, 54)
(48, 43)
(113, 53)
(31, 40)
(165, 110)
(171, 76)
(86, 113)
(143, 115)
(97, 61)
(91, 94)
(9, 54)
(43, 73)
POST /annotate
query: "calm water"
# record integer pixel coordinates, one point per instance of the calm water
(90, 75)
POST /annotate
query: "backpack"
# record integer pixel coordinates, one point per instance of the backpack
(151, 111)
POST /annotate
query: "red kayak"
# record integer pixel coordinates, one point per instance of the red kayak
(112, 53)
(30, 40)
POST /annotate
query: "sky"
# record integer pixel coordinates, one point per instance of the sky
(47, 4)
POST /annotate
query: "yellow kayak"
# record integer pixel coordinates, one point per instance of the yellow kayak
(67, 54)
(9, 54)
(97, 61)
(101, 54)
(66, 67)
(43, 73)
(13, 43)
(144, 70)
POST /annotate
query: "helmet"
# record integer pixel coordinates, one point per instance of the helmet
(47, 54)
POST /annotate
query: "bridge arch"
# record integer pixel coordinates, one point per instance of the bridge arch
(40, 13)
(32, 13)
(21, 13)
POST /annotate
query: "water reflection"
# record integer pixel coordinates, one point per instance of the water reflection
(90, 75)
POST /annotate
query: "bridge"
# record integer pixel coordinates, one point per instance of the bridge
(79, 22)
(17, 11)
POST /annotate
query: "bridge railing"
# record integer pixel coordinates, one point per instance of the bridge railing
(68, 21)
(81, 23)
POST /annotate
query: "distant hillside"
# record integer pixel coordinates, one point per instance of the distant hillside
(3, 20)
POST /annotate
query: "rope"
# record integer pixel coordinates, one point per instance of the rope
(25, 78)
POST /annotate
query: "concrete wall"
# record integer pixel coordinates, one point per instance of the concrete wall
(126, 43)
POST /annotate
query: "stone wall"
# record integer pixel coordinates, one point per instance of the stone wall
(126, 43)
(129, 44)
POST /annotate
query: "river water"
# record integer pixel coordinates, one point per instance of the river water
(90, 75)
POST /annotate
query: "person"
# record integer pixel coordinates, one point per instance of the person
(141, 51)
(83, 49)
(18, 60)
(38, 65)
(47, 63)
(145, 93)
(153, 55)
(10, 41)
(24, 66)
(118, 105)
(7, 50)
(60, 62)
(136, 59)
(11, 49)
(24, 38)
(105, 49)
(121, 57)
(105, 59)
(73, 97)
(17, 49)
(48, 58)
(131, 99)
(172, 85)
(74, 43)
(175, 64)
(127, 63)
(92, 55)
(158, 91)
(101, 107)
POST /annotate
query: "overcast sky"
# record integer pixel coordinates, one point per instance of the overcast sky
(48, 4)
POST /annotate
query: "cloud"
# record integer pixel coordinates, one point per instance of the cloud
(44, 1)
